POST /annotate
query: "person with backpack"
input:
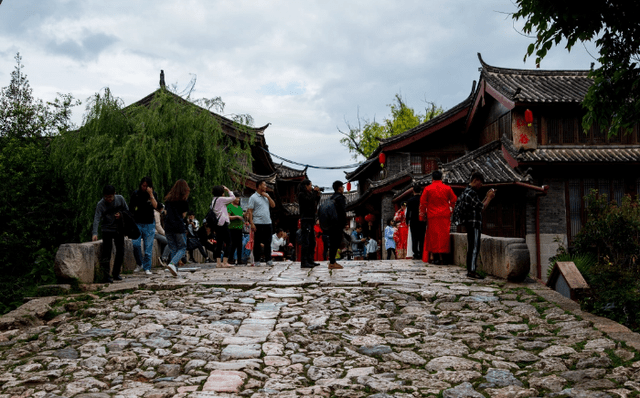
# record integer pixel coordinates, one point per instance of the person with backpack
(109, 210)
(468, 212)
(335, 227)
(143, 202)
(219, 206)
(308, 199)
(260, 218)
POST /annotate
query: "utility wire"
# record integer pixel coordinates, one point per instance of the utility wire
(350, 166)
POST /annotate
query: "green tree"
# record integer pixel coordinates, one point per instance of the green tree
(613, 101)
(34, 218)
(167, 139)
(363, 139)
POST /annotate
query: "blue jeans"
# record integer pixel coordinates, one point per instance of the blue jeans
(177, 246)
(147, 232)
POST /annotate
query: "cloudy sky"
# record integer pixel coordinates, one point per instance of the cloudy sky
(303, 66)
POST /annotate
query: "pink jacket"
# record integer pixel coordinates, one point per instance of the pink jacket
(220, 208)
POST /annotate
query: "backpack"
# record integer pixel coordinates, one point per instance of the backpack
(211, 218)
(458, 212)
(129, 226)
(327, 214)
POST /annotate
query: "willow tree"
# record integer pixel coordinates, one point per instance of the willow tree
(167, 138)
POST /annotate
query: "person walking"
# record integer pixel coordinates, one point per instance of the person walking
(219, 206)
(436, 203)
(389, 241)
(417, 228)
(468, 212)
(109, 212)
(143, 202)
(308, 199)
(260, 218)
(236, 223)
(176, 207)
(335, 230)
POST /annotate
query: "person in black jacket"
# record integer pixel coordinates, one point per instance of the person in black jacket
(143, 202)
(416, 227)
(109, 212)
(308, 199)
(335, 232)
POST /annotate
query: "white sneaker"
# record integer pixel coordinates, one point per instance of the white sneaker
(270, 263)
(172, 269)
(138, 269)
(148, 272)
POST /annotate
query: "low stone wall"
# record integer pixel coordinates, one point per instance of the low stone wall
(81, 261)
(506, 258)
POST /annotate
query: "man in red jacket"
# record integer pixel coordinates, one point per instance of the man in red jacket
(436, 204)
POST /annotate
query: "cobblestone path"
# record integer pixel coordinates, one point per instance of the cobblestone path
(375, 329)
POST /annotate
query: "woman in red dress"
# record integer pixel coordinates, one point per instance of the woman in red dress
(318, 255)
(402, 232)
(436, 204)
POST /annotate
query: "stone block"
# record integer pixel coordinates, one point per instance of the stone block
(81, 260)
(506, 258)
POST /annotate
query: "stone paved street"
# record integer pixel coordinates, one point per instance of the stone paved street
(374, 329)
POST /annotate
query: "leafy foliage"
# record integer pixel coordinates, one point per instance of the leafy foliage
(614, 98)
(612, 235)
(35, 219)
(364, 138)
(167, 139)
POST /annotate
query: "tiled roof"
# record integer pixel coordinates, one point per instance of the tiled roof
(585, 154)
(225, 122)
(542, 86)
(575, 153)
(381, 185)
(488, 160)
(288, 172)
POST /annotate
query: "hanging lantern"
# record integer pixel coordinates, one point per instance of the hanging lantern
(370, 218)
(528, 117)
(382, 159)
(349, 186)
(299, 224)
(359, 220)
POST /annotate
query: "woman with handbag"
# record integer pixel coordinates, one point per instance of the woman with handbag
(219, 207)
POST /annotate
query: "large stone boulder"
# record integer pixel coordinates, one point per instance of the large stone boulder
(506, 258)
(81, 261)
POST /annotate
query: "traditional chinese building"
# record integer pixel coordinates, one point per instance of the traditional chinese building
(521, 129)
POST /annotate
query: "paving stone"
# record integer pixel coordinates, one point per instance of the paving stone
(377, 329)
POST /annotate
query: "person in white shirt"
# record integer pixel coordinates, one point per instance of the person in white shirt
(278, 240)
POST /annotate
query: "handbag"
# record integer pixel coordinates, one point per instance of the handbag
(212, 218)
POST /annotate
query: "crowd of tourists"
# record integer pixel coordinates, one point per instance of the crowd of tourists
(419, 229)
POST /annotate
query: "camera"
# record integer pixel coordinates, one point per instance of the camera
(321, 189)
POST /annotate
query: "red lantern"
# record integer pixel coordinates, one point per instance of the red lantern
(349, 186)
(359, 220)
(528, 117)
(299, 224)
(382, 159)
(369, 218)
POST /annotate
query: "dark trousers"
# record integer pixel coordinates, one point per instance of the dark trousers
(262, 235)
(307, 241)
(193, 243)
(391, 250)
(473, 247)
(418, 231)
(108, 240)
(335, 241)
(236, 244)
(224, 240)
